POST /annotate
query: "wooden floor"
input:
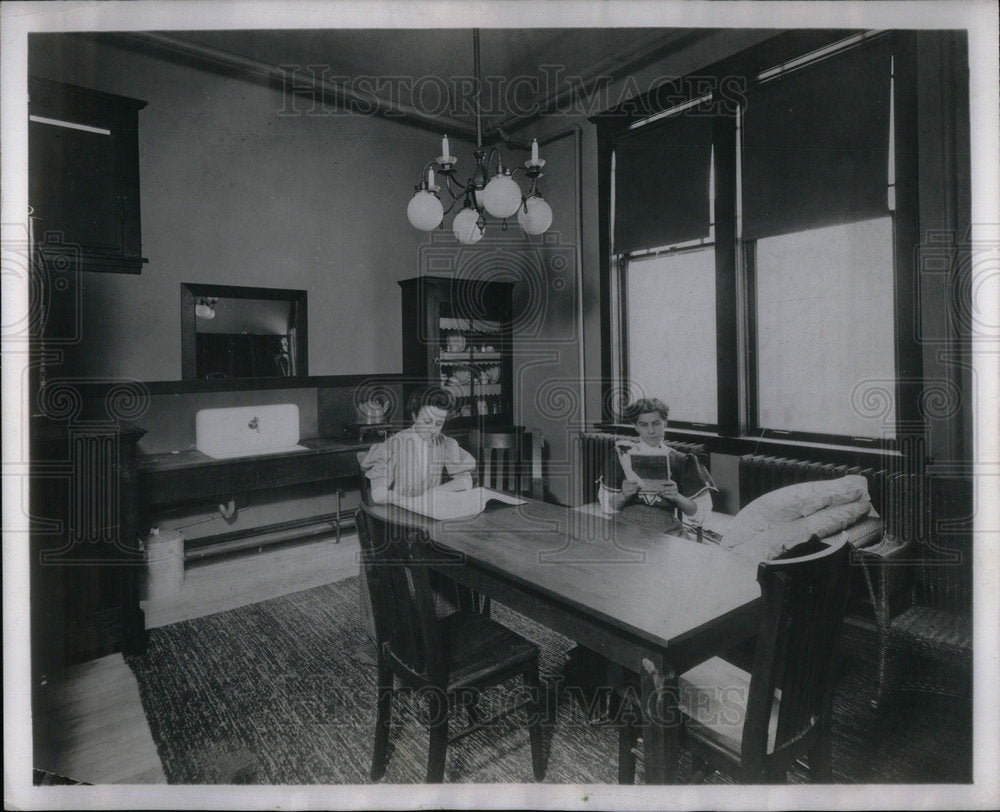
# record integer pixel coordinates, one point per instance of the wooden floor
(93, 729)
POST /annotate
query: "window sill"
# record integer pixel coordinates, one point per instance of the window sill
(716, 443)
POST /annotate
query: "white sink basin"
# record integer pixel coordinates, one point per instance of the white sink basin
(244, 431)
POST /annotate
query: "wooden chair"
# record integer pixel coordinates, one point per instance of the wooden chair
(448, 659)
(509, 460)
(364, 601)
(756, 724)
(447, 594)
(364, 483)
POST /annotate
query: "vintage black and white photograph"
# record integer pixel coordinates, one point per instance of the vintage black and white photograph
(555, 405)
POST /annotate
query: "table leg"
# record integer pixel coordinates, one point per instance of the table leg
(661, 731)
(340, 495)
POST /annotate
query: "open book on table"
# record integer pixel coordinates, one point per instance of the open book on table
(452, 504)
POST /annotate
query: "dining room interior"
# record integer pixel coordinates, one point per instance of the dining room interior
(251, 246)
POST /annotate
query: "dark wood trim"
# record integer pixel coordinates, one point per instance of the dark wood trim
(750, 405)
(112, 264)
(605, 148)
(727, 277)
(906, 224)
(100, 389)
(244, 292)
(620, 326)
(189, 330)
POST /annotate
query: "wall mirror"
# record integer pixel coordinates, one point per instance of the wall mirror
(243, 332)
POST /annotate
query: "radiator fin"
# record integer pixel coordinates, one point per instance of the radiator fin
(760, 474)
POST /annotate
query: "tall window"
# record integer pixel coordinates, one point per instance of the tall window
(818, 236)
(670, 300)
(664, 243)
(758, 295)
(824, 329)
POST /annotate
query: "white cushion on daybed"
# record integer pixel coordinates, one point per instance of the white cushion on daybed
(786, 517)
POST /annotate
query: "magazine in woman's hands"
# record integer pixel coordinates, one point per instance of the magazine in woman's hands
(653, 471)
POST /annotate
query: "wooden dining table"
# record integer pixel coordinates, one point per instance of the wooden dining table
(655, 604)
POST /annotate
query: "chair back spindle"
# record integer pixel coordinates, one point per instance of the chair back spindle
(499, 460)
(510, 460)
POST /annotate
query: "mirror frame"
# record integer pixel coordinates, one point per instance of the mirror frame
(191, 291)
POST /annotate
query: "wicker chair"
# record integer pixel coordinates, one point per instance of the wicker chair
(919, 580)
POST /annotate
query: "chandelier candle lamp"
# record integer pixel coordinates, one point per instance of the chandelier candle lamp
(497, 195)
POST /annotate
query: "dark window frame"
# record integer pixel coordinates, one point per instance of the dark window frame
(736, 425)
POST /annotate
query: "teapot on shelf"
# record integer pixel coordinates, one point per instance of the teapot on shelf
(372, 412)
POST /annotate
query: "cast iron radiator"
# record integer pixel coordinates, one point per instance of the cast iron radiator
(597, 452)
(761, 474)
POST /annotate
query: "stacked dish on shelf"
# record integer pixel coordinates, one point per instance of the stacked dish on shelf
(466, 347)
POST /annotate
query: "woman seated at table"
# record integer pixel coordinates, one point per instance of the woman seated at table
(650, 483)
(412, 462)
(415, 460)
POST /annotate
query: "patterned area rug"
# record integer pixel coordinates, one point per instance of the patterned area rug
(283, 692)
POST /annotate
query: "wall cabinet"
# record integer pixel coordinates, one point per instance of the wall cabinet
(83, 181)
(85, 555)
(458, 333)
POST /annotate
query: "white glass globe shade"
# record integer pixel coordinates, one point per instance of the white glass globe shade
(424, 210)
(466, 226)
(501, 197)
(537, 218)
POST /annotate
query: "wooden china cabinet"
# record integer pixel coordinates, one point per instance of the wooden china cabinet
(458, 333)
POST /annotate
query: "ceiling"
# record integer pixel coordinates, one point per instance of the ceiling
(426, 75)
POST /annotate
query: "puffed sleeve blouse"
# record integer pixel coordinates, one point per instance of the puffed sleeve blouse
(409, 463)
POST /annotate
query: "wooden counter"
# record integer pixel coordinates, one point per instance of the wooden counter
(190, 476)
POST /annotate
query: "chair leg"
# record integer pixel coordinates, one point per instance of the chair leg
(535, 709)
(775, 775)
(700, 770)
(882, 672)
(821, 759)
(627, 739)
(437, 708)
(382, 719)
(468, 698)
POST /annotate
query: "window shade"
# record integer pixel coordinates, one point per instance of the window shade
(816, 145)
(661, 183)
